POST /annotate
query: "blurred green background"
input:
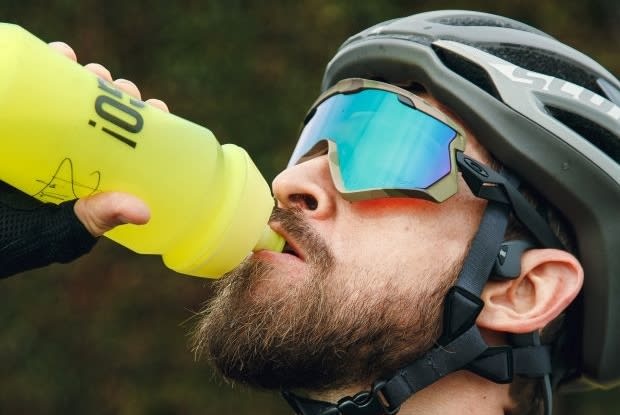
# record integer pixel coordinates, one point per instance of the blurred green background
(107, 334)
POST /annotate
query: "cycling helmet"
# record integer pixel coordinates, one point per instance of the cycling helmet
(544, 110)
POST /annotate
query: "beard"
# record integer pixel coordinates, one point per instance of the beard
(322, 332)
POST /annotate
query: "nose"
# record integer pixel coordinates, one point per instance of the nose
(307, 186)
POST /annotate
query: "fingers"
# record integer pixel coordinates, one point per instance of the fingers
(102, 212)
(128, 87)
(157, 103)
(101, 71)
(64, 49)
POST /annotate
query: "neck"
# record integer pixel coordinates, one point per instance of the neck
(459, 393)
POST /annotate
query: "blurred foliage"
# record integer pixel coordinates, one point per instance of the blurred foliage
(107, 334)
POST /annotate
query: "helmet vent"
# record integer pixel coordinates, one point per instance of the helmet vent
(483, 21)
(600, 137)
(545, 62)
(467, 69)
(611, 92)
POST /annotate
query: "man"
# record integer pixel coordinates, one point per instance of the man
(381, 233)
(406, 286)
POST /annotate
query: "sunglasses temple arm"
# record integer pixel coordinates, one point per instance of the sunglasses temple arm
(491, 185)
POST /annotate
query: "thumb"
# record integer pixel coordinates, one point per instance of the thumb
(101, 212)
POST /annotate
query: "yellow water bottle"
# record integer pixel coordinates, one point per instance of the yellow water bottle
(67, 134)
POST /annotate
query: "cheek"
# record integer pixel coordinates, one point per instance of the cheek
(373, 206)
(383, 245)
(404, 235)
(400, 222)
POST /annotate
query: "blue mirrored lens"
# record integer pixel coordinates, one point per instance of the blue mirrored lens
(382, 143)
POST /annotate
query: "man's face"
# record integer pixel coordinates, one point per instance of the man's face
(357, 295)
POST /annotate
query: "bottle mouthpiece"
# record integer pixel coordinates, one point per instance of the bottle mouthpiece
(270, 240)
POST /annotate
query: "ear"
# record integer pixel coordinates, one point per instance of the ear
(550, 280)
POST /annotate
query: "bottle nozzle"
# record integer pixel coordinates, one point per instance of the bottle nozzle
(270, 240)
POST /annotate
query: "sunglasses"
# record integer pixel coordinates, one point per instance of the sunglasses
(382, 141)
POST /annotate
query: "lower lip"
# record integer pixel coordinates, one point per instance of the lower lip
(272, 256)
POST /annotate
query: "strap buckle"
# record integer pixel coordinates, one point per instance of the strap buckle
(368, 403)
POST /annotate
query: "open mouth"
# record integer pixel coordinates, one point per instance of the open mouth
(291, 246)
(290, 250)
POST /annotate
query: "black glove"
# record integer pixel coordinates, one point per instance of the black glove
(34, 234)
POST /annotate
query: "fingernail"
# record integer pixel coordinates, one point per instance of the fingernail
(59, 43)
(126, 81)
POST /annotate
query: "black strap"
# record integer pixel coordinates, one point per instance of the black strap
(484, 248)
(532, 361)
(501, 363)
(508, 263)
(490, 185)
(434, 365)
(305, 406)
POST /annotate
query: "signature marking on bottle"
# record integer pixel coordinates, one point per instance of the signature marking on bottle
(63, 184)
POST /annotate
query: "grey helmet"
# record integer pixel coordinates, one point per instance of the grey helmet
(546, 111)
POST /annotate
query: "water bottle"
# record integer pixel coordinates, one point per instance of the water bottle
(67, 133)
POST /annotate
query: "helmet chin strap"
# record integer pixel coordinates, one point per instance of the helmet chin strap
(461, 346)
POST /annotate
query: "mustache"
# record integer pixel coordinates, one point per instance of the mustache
(294, 223)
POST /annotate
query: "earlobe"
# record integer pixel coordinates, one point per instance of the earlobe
(550, 280)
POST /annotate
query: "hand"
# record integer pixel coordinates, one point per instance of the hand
(103, 211)
(101, 71)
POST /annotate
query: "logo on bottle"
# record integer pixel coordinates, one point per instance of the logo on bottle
(124, 118)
